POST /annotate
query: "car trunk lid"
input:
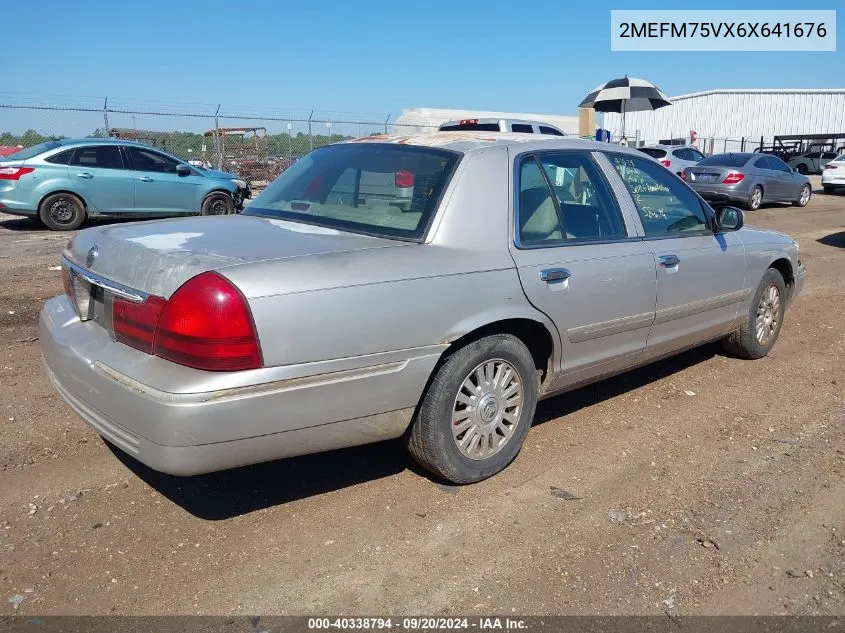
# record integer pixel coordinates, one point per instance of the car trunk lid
(158, 257)
(707, 175)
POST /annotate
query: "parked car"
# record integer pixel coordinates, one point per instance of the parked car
(833, 176)
(674, 157)
(811, 163)
(523, 268)
(65, 181)
(748, 179)
(518, 126)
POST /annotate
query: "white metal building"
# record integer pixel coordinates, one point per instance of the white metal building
(728, 116)
(426, 119)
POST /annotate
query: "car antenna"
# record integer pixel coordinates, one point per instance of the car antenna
(52, 137)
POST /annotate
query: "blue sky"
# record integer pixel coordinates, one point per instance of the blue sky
(366, 58)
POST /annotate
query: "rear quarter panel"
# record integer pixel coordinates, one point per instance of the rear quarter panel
(762, 248)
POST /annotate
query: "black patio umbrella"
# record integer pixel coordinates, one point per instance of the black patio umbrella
(627, 94)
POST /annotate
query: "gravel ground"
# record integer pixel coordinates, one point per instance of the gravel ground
(705, 484)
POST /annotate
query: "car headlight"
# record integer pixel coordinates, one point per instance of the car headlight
(239, 183)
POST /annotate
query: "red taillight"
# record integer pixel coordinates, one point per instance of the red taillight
(135, 323)
(733, 178)
(404, 179)
(14, 173)
(684, 175)
(68, 286)
(665, 163)
(207, 324)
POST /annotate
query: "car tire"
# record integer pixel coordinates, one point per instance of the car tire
(756, 337)
(218, 203)
(804, 196)
(62, 212)
(755, 199)
(802, 169)
(467, 402)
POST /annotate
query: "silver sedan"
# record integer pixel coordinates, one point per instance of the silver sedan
(749, 180)
(432, 288)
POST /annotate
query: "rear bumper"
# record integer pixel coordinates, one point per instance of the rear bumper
(193, 433)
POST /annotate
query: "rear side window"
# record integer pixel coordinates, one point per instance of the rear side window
(653, 152)
(469, 127)
(523, 128)
(102, 157)
(550, 130)
(62, 158)
(563, 196)
(725, 160)
(379, 189)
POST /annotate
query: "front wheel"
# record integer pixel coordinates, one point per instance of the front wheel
(218, 204)
(62, 212)
(804, 197)
(758, 334)
(476, 413)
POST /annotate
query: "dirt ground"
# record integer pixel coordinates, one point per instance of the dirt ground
(704, 484)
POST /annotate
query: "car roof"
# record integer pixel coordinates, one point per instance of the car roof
(668, 147)
(65, 142)
(471, 141)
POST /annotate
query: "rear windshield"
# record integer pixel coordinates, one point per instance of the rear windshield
(378, 189)
(469, 127)
(653, 152)
(35, 150)
(725, 160)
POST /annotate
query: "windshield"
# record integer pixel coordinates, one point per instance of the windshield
(653, 152)
(725, 160)
(35, 150)
(378, 189)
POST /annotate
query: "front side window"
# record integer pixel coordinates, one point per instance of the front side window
(550, 130)
(666, 206)
(101, 157)
(567, 199)
(382, 189)
(148, 160)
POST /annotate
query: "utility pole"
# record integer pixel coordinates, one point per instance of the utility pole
(310, 138)
(106, 115)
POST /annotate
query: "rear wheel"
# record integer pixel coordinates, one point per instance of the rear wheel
(62, 212)
(476, 413)
(804, 197)
(759, 333)
(755, 199)
(218, 204)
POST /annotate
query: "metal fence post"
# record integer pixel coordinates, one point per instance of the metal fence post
(106, 115)
(217, 149)
(310, 137)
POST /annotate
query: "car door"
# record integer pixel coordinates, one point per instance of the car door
(790, 183)
(581, 263)
(700, 275)
(771, 181)
(100, 174)
(158, 187)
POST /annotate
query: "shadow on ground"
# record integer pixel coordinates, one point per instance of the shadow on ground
(23, 224)
(231, 493)
(834, 239)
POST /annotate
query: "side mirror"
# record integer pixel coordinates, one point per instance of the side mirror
(183, 170)
(729, 219)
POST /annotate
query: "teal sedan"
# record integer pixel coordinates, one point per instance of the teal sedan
(63, 182)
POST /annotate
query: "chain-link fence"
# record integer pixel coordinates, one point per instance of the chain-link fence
(255, 147)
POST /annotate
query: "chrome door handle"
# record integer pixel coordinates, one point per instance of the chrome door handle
(145, 179)
(85, 175)
(554, 274)
(668, 261)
